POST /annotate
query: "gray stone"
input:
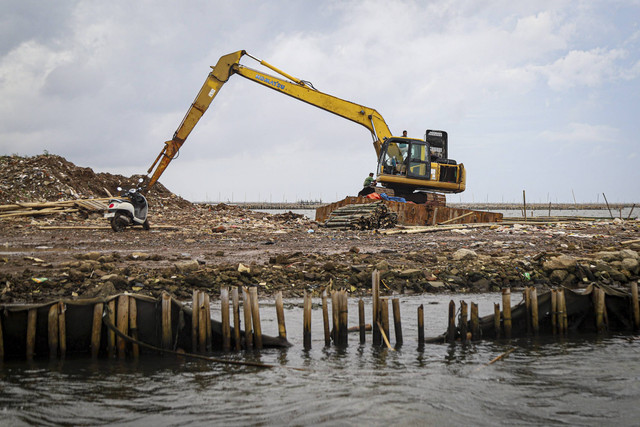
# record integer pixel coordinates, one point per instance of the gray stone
(558, 276)
(189, 265)
(562, 262)
(464, 255)
(630, 264)
(437, 285)
(411, 272)
(608, 256)
(629, 253)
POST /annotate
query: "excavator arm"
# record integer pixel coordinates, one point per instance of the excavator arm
(296, 88)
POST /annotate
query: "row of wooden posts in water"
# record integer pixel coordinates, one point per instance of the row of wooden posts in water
(120, 316)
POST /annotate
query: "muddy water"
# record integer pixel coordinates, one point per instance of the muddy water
(585, 381)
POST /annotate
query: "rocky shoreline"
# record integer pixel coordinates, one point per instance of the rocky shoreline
(206, 247)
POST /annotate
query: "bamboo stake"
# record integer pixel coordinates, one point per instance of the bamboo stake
(527, 305)
(475, 324)
(524, 203)
(236, 317)
(375, 297)
(202, 324)
(53, 331)
(554, 309)
(496, 319)
(226, 324)
(96, 329)
(463, 322)
(397, 321)
(335, 317)
(111, 336)
(534, 311)
(306, 321)
(384, 337)
(456, 218)
(600, 309)
(133, 326)
(62, 329)
(32, 317)
(384, 314)
(282, 327)
(559, 312)
(207, 322)
(343, 318)
(122, 324)
(255, 317)
(195, 316)
(565, 316)
(635, 305)
(325, 319)
(605, 200)
(421, 325)
(167, 333)
(506, 311)
(248, 330)
(361, 322)
(1, 340)
(451, 330)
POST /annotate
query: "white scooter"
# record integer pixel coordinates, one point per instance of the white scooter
(128, 210)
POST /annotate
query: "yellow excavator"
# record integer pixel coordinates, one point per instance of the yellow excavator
(407, 167)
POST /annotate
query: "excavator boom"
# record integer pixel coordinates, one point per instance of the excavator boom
(422, 175)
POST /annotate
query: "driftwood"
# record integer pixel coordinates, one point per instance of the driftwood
(48, 208)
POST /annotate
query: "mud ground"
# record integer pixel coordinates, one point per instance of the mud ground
(208, 246)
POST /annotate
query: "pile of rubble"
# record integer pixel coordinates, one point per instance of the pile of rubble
(52, 178)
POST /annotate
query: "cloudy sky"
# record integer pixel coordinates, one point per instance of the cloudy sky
(541, 96)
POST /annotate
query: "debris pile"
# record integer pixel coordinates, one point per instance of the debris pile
(52, 178)
(366, 216)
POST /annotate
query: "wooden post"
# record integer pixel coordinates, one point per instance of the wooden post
(133, 326)
(384, 314)
(225, 320)
(463, 322)
(195, 316)
(202, 324)
(282, 327)
(306, 321)
(361, 322)
(527, 305)
(255, 317)
(524, 203)
(32, 317)
(1, 340)
(375, 301)
(335, 317)
(451, 330)
(52, 323)
(607, 202)
(421, 325)
(475, 323)
(207, 322)
(343, 317)
(325, 319)
(236, 317)
(62, 329)
(559, 320)
(534, 311)
(565, 316)
(111, 336)
(635, 305)
(554, 310)
(167, 333)
(506, 311)
(96, 329)
(600, 309)
(397, 321)
(248, 330)
(122, 324)
(496, 319)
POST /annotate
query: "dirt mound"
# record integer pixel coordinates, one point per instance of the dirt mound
(48, 178)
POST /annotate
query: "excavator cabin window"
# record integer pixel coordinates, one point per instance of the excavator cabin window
(410, 158)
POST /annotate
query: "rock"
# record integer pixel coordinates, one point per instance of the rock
(354, 249)
(562, 262)
(139, 256)
(244, 269)
(481, 285)
(99, 290)
(218, 229)
(189, 265)
(632, 265)
(629, 253)
(608, 256)
(382, 265)
(558, 276)
(411, 272)
(618, 276)
(436, 285)
(464, 254)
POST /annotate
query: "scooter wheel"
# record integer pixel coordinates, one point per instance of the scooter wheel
(118, 222)
(145, 225)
